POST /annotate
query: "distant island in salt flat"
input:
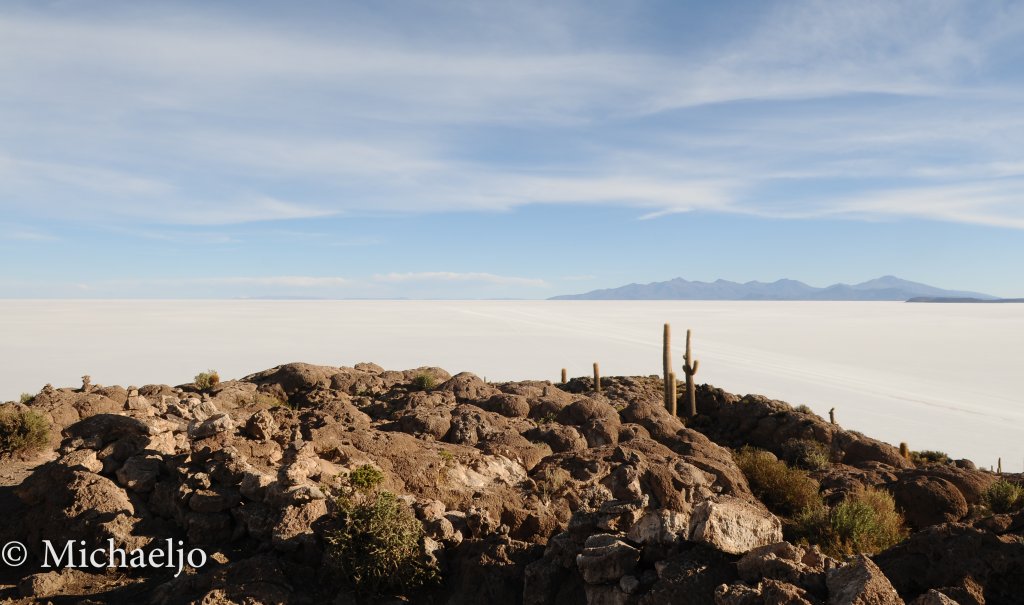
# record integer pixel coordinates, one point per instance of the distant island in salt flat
(887, 288)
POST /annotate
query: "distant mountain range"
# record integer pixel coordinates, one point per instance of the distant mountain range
(883, 288)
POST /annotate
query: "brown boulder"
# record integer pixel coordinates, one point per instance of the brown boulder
(512, 406)
(468, 387)
(928, 501)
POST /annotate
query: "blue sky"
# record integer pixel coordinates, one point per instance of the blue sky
(520, 149)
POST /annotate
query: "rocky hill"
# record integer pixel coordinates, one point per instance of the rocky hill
(315, 484)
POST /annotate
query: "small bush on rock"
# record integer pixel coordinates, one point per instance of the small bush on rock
(26, 398)
(807, 454)
(930, 457)
(424, 382)
(22, 430)
(207, 379)
(1004, 497)
(366, 478)
(865, 522)
(784, 490)
(375, 544)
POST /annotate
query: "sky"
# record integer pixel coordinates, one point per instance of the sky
(520, 149)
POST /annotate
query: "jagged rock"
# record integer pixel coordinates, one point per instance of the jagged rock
(733, 526)
(606, 558)
(295, 528)
(81, 459)
(254, 485)
(660, 527)
(860, 583)
(738, 594)
(933, 597)
(214, 500)
(218, 423)
(261, 426)
(53, 583)
(139, 473)
(803, 567)
(769, 592)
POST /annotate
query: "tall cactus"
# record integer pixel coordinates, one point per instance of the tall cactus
(597, 377)
(666, 350)
(565, 376)
(690, 368)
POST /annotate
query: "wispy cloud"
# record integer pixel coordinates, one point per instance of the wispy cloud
(812, 109)
(447, 276)
(22, 234)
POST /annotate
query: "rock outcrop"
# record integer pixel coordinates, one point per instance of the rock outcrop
(526, 492)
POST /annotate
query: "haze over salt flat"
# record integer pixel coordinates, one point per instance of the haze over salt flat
(943, 377)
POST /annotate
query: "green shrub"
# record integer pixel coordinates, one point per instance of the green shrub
(207, 379)
(366, 478)
(785, 491)
(929, 457)
(374, 542)
(803, 409)
(1004, 497)
(424, 382)
(22, 430)
(807, 454)
(865, 522)
(26, 398)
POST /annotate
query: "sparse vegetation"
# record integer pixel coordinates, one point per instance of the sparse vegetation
(1004, 497)
(26, 398)
(207, 379)
(929, 457)
(447, 458)
(550, 481)
(803, 409)
(366, 478)
(785, 491)
(865, 522)
(268, 401)
(375, 543)
(424, 382)
(806, 454)
(22, 430)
